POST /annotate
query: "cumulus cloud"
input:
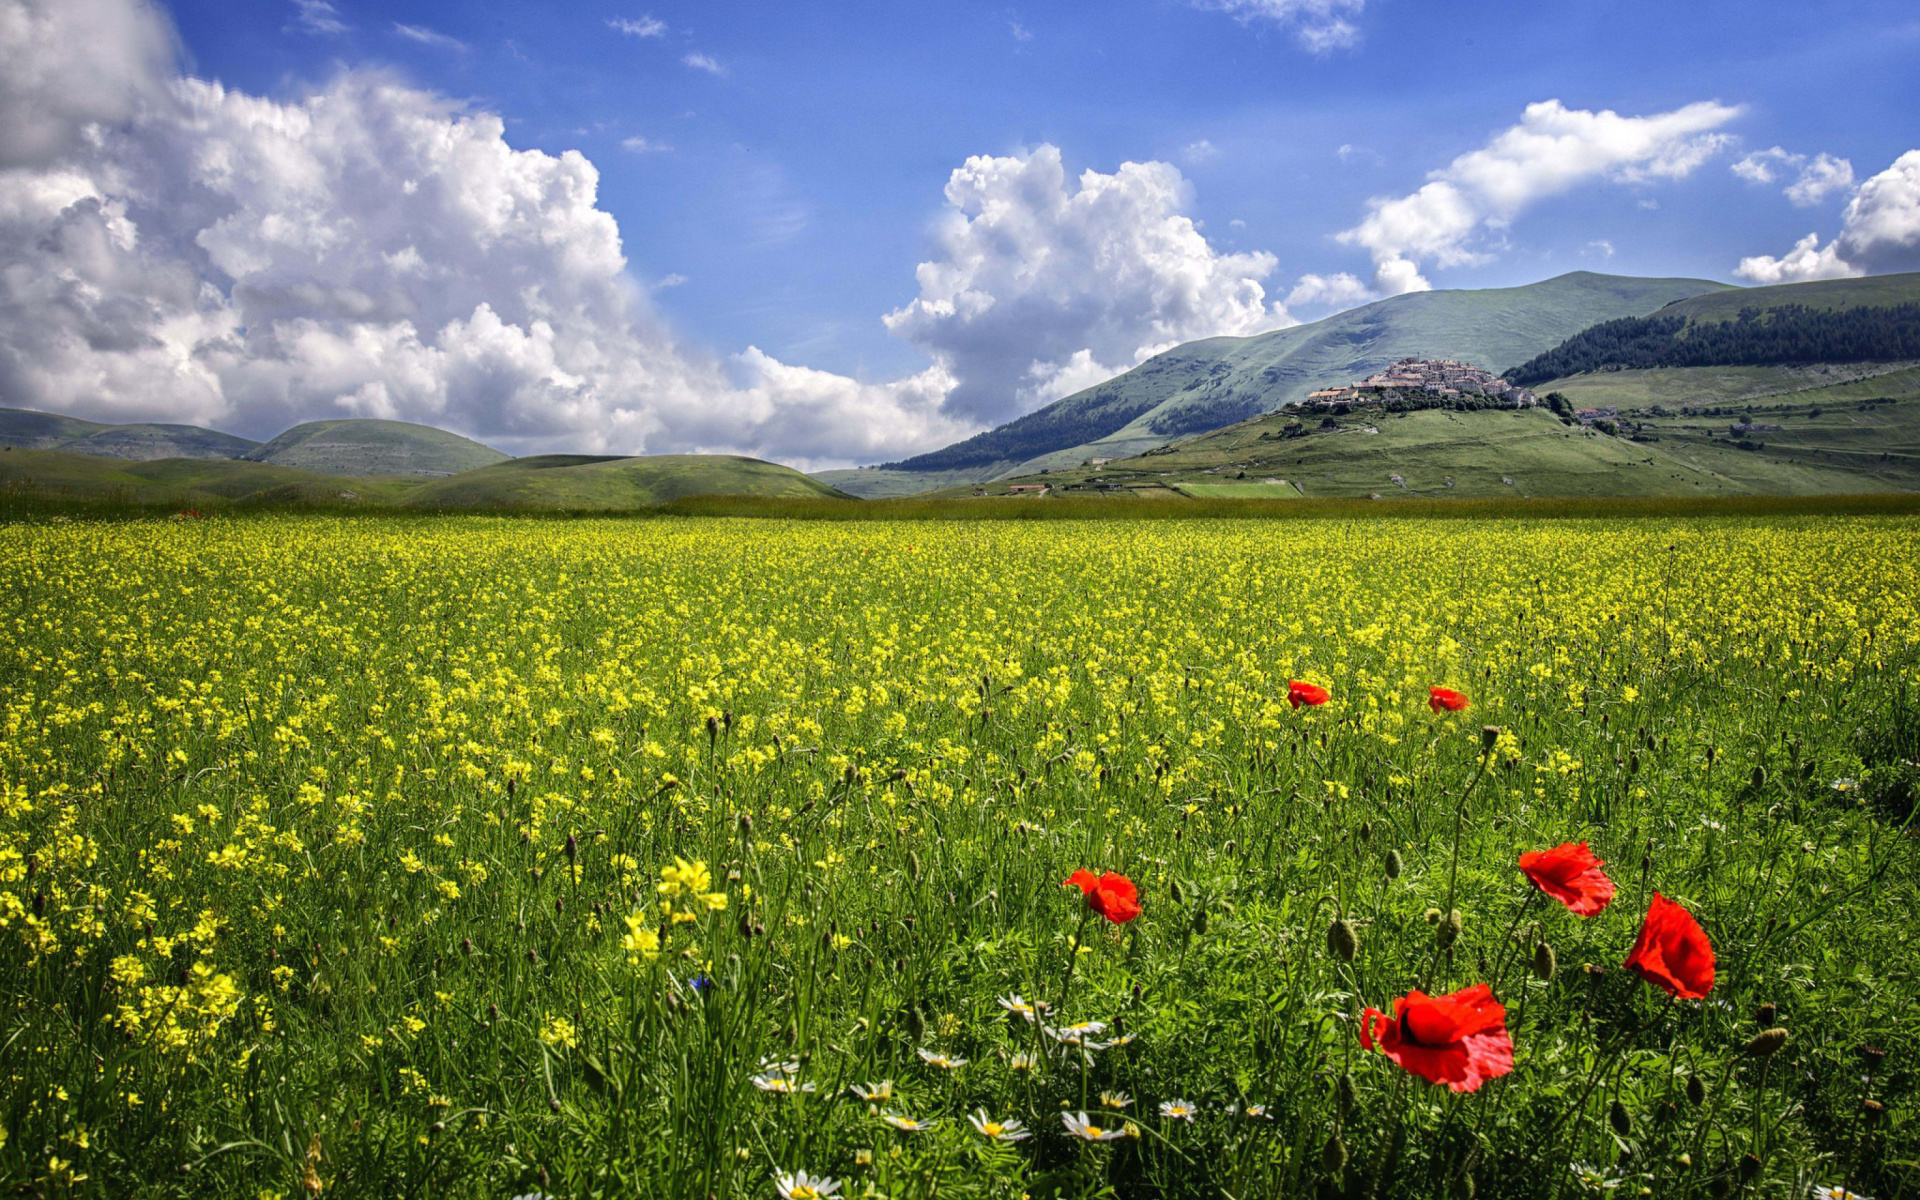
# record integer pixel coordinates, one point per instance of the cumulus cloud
(1320, 25)
(204, 255)
(1333, 291)
(1553, 150)
(1044, 284)
(1811, 179)
(640, 145)
(1879, 232)
(69, 64)
(704, 62)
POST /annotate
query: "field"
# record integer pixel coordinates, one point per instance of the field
(484, 857)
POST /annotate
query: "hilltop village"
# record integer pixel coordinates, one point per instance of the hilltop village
(1421, 383)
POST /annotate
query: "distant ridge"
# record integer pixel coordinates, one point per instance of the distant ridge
(370, 447)
(30, 430)
(1212, 383)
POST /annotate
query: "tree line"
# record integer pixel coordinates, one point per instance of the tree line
(1791, 333)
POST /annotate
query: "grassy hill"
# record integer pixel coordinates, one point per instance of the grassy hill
(364, 447)
(1851, 435)
(582, 482)
(1208, 384)
(29, 430)
(39, 478)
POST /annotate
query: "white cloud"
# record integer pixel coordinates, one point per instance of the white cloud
(1814, 179)
(672, 280)
(374, 250)
(318, 17)
(647, 26)
(1200, 152)
(1020, 32)
(428, 37)
(1551, 151)
(1320, 25)
(1601, 247)
(641, 145)
(1334, 291)
(69, 64)
(1042, 282)
(704, 62)
(1879, 232)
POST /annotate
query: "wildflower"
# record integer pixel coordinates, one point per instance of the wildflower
(907, 1124)
(1077, 1033)
(640, 942)
(802, 1186)
(874, 1092)
(1078, 1126)
(1300, 692)
(789, 1066)
(1441, 699)
(1021, 1062)
(1123, 1040)
(1259, 1112)
(784, 1085)
(999, 1131)
(1115, 1100)
(1112, 895)
(1836, 1193)
(1178, 1110)
(944, 1061)
(1458, 1039)
(1018, 1007)
(559, 1032)
(1673, 952)
(1570, 874)
(1592, 1179)
(1845, 785)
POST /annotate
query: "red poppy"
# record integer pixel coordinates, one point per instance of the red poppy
(1441, 699)
(1673, 952)
(1572, 875)
(1112, 895)
(1299, 692)
(1460, 1039)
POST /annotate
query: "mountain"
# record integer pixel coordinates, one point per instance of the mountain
(545, 483)
(1825, 432)
(367, 447)
(584, 482)
(1876, 319)
(1208, 384)
(31, 430)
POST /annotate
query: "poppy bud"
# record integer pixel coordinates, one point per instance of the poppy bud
(1765, 1014)
(1394, 864)
(1333, 1155)
(1463, 1187)
(1620, 1119)
(1200, 920)
(493, 1012)
(913, 866)
(1633, 763)
(1489, 734)
(1342, 942)
(573, 849)
(746, 824)
(1874, 1056)
(1758, 779)
(466, 947)
(1344, 1095)
(1749, 1168)
(1871, 1110)
(713, 728)
(1696, 1091)
(1136, 993)
(1767, 1042)
(1173, 890)
(1447, 932)
(1366, 831)
(1544, 963)
(559, 905)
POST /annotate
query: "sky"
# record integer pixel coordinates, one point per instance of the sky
(844, 233)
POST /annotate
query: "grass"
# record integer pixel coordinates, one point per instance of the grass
(369, 447)
(484, 856)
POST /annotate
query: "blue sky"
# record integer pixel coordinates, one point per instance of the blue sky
(774, 175)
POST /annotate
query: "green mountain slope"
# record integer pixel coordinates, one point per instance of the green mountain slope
(31, 430)
(1207, 384)
(1852, 433)
(580, 482)
(1875, 319)
(365, 447)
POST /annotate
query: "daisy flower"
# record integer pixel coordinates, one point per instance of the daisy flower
(1078, 1125)
(1115, 1099)
(802, 1186)
(999, 1131)
(783, 1084)
(907, 1124)
(1178, 1110)
(1018, 1007)
(944, 1061)
(872, 1092)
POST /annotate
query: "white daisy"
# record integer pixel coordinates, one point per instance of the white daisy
(1178, 1110)
(1078, 1125)
(999, 1131)
(802, 1186)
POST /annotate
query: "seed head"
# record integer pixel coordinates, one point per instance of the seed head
(1489, 735)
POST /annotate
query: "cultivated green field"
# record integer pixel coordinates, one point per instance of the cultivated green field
(482, 857)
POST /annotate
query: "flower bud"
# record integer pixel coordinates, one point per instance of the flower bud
(1333, 1155)
(1871, 1110)
(1489, 734)
(1448, 930)
(1620, 1118)
(1767, 1042)
(1764, 1016)
(746, 824)
(1366, 831)
(1544, 963)
(1394, 864)
(913, 866)
(1749, 1168)
(1696, 1091)
(573, 849)
(1344, 1094)
(1342, 942)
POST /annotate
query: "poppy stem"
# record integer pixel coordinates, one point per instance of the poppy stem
(1459, 822)
(1073, 958)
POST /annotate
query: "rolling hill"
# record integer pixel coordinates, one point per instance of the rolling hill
(1207, 384)
(576, 483)
(31, 430)
(367, 447)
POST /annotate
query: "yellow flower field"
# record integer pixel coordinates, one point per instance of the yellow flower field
(477, 857)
